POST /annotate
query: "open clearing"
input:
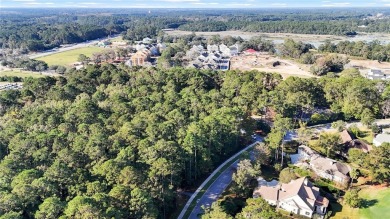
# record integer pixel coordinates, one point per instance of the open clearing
(279, 37)
(376, 205)
(68, 57)
(266, 63)
(20, 73)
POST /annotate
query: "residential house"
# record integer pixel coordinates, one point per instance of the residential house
(250, 51)
(298, 196)
(140, 58)
(212, 58)
(324, 167)
(330, 169)
(381, 138)
(228, 51)
(147, 40)
(345, 137)
(215, 61)
(212, 48)
(104, 43)
(234, 50)
(378, 74)
(361, 145)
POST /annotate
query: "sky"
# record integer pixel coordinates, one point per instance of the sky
(191, 3)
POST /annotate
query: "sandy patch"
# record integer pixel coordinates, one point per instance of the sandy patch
(269, 63)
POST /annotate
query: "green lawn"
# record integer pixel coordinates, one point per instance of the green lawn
(376, 205)
(68, 57)
(118, 39)
(20, 73)
(366, 135)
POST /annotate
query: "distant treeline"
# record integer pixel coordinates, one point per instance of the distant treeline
(340, 27)
(372, 50)
(35, 30)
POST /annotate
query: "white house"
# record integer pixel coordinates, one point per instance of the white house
(212, 48)
(298, 196)
(378, 74)
(330, 169)
(380, 139)
(147, 40)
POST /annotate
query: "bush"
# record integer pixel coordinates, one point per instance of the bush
(286, 175)
(352, 198)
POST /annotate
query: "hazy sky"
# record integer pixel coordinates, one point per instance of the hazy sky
(192, 3)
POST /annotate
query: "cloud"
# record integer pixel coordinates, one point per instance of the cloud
(337, 4)
(204, 3)
(279, 4)
(179, 0)
(39, 3)
(89, 3)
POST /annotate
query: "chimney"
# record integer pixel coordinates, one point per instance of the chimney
(305, 181)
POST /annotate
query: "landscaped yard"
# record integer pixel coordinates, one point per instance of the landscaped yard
(376, 205)
(68, 57)
(20, 73)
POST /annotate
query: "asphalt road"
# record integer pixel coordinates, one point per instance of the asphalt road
(216, 189)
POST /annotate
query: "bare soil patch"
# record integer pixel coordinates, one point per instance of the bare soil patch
(269, 63)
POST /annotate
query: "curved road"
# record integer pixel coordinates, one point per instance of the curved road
(216, 188)
(220, 184)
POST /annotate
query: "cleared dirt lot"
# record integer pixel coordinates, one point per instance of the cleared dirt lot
(269, 63)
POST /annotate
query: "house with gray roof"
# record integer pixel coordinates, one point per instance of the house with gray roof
(298, 196)
(324, 167)
(378, 74)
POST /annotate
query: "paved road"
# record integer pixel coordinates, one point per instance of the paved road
(216, 189)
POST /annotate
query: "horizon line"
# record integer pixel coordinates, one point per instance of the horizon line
(250, 8)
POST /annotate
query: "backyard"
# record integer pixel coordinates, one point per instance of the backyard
(376, 205)
(68, 57)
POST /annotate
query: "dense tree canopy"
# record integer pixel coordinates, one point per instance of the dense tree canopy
(109, 141)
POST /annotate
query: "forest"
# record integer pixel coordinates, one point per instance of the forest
(23, 30)
(107, 141)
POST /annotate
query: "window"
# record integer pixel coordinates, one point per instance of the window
(307, 213)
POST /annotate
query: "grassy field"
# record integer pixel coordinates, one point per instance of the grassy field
(118, 39)
(20, 73)
(376, 205)
(68, 57)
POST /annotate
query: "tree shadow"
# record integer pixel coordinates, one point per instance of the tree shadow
(335, 207)
(368, 203)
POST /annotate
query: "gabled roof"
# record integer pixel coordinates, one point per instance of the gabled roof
(268, 193)
(292, 192)
(250, 50)
(345, 136)
(330, 166)
(361, 145)
(302, 188)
